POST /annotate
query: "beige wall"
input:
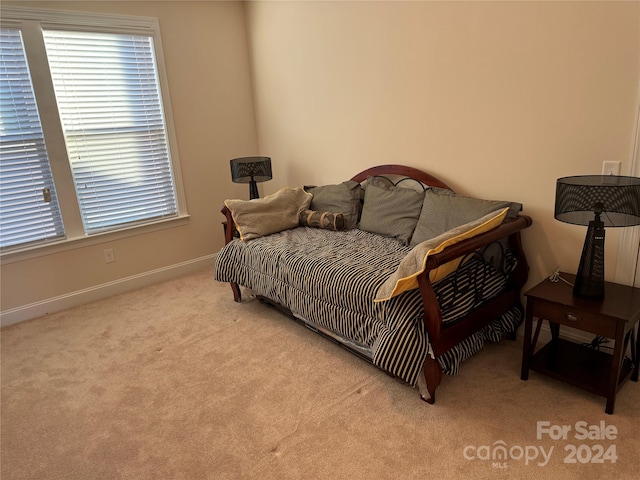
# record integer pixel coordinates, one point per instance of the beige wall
(207, 64)
(497, 99)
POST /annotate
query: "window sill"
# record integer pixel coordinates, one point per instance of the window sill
(52, 248)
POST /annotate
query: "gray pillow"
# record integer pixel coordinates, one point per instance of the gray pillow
(342, 198)
(442, 212)
(392, 212)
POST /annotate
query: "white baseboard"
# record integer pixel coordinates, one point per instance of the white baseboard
(105, 290)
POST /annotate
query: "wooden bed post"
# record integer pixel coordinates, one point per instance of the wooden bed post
(229, 228)
(430, 307)
(431, 369)
(521, 272)
(432, 372)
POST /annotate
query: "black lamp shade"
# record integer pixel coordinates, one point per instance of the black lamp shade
(617, 198)
(597, 201)
(251, 170)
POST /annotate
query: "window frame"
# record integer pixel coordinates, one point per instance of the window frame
(31, 22)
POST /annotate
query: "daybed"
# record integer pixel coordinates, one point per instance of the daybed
(393, 265)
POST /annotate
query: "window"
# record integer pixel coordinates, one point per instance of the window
(90, 119)
(29, 210)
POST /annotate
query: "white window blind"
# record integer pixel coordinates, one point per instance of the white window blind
(109, 102)
(29, 211)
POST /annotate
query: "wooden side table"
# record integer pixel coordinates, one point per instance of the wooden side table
(615, 317)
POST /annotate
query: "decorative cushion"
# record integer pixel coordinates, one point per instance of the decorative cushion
(391, 211)
(443, 211)
(406, 276)
(326, 220)
(341, 198)
(273, 213)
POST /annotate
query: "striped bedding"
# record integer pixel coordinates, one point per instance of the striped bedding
(329, 280)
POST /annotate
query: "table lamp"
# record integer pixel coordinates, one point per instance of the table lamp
(251, 170)
(597, 201)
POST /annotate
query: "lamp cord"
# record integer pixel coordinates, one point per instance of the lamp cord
(555, 277)
(635, 273)
(599, 342)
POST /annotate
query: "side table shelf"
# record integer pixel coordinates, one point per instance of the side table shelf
(578, 365)
(616, 317)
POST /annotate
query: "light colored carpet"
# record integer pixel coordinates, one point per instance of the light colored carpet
(176, 381)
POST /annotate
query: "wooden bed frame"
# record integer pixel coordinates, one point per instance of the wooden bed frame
(443, 337)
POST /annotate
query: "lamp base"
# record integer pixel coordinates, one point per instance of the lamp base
(590, 276)
(253, 190)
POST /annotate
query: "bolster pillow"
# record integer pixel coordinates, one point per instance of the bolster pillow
(326, 220)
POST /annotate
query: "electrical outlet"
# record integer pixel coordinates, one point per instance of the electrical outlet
(611, 168)
(109, 256)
